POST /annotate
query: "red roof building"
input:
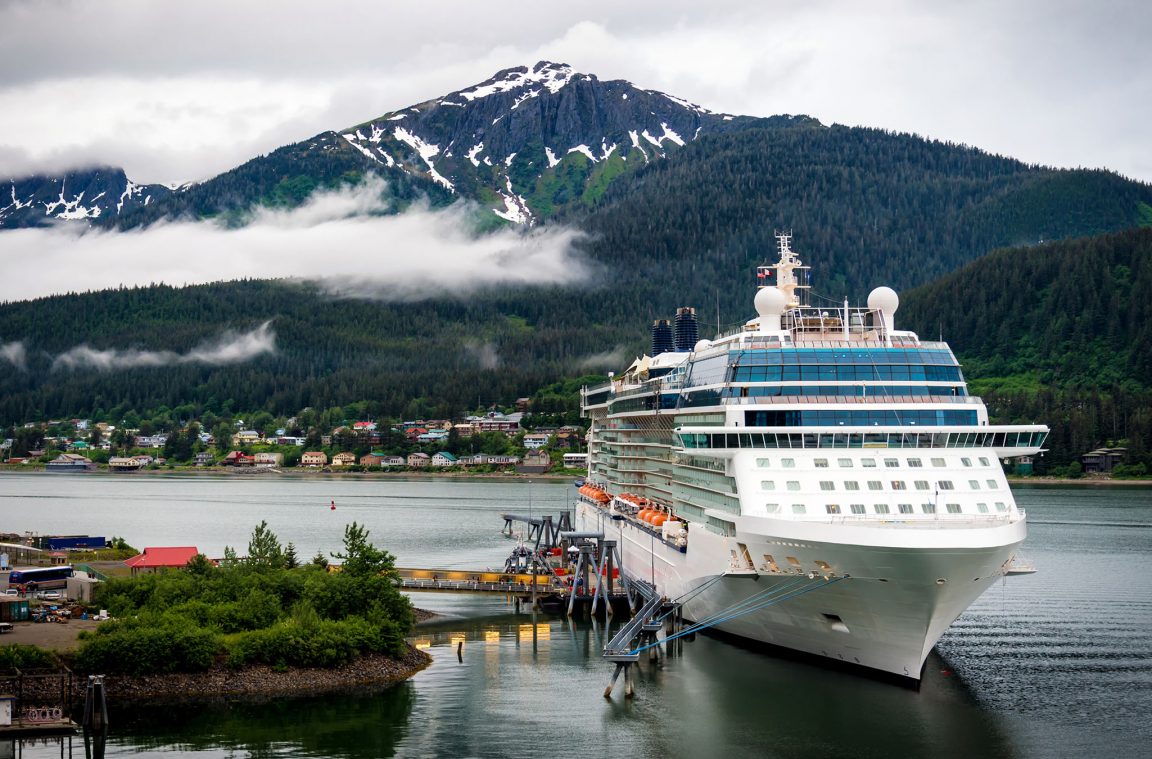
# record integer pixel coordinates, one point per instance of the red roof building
(156, 558)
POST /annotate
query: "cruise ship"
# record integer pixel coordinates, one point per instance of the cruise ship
(816, 479)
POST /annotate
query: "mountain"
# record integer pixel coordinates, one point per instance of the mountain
(667, 225)
(86, 194)
(533, 139)
(1059, 333)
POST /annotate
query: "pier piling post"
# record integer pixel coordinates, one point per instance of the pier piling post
(629, 689)
(95, 704)
(612, 682)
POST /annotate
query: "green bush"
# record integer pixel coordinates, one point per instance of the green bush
(25, 657)
(138, 649)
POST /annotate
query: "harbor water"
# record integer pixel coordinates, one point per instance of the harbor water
(1054, 664)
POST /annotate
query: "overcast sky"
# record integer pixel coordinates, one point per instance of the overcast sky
(181, 91)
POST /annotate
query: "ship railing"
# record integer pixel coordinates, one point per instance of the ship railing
(871, 400)
(923, 521)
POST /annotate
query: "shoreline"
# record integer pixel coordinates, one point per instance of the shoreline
(300, 473)
(256, 682)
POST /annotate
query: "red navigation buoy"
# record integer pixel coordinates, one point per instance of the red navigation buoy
(333, 506)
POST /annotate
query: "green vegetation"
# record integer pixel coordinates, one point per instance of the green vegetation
(263, 610)
(18, 656)
(1058, 333)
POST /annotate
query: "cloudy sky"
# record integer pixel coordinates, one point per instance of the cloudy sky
(182, 91)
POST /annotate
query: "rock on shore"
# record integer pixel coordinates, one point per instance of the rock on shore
(262, 680)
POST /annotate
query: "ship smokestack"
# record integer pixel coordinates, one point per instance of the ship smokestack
(662, 340)
(687, 330)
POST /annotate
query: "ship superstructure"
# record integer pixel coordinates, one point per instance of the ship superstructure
(810, 444)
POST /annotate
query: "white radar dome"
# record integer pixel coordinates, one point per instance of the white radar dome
(771, 302)
(884, 299)
(702, 345)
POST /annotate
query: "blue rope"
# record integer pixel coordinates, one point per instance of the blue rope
(717, 619)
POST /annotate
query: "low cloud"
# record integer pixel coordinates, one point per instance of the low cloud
(484, 354)
(338, 239)
(229, 348)
(610, 359)
(14, 354)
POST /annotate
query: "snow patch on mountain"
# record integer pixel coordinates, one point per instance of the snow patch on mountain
(585, 150)
(426, 152)
(553, 161)
(552, 76)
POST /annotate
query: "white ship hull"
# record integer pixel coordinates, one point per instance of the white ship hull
(896, 595)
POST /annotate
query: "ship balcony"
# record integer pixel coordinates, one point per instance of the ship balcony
(871, 400)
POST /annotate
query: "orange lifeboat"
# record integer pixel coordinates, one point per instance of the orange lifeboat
(659, 519)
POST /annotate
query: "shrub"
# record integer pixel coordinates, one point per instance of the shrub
(25, 657)
(139, 649)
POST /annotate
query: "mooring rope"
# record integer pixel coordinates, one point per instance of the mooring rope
(720, 617)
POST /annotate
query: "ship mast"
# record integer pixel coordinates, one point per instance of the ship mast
(788, 274)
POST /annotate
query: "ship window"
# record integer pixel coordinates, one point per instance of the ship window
(767, 484)
(899, 485)
(992, 485)
(788, 463)
(983, 461)
(772, 508)
(851, 485)
(974, 484)
(798, 508)
(827, 485)
(764, 463)
(868, 463)
(937, 462)
(832, 508)
(1000, 506)
(771, 562)
(891, 463)
(821, 463)
(921, 484)
(858, 508)
(915, 463)
(945, 485)
(953, 508)
(875, 485)
(845, 463)
(880, 508)
(793, 561)
(793, 484)
(905, 508)
(982, 508)
(966, 461)
(928, 508)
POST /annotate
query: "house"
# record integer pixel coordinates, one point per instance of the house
(150, 441)
(535, 462)
(238, 458)
(443, 458)
(495, 422)
(394, 461)
(419, 459)
(246, 437)
(204, 459)
(290, 440)
(576, 460)
(432, 436)
(371, 459)
(70, 462)
(124, 464)
(144, 459)
(314, 458)
(364, 427)
(344, 459)
(489, 459)
(268, 459)
(536, 440)
(1102, 460)
(155, 559)
(465, 429)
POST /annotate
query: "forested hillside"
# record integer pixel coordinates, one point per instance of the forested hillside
(1059, 333)
(867, 207)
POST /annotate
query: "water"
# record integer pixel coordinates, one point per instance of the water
(1054, 664)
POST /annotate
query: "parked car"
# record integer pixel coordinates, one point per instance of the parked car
(9, 592)
(49, 595)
